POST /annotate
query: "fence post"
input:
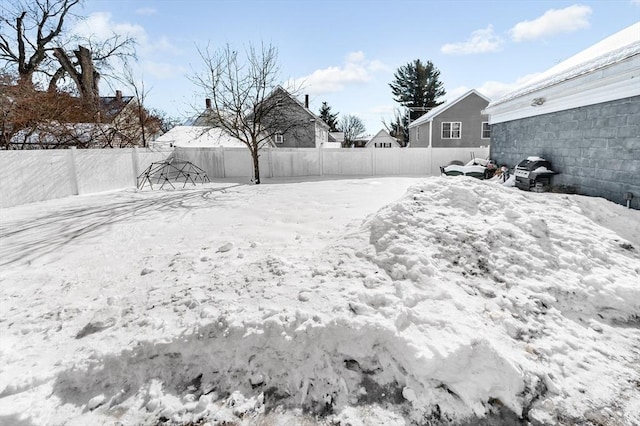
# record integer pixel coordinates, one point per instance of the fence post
(320, 161)
(224, 172)
(136, 167)
(373, 160)
(270, 160)
(73, 173)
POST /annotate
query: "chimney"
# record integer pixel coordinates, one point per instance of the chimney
(207, 102)
(118, 95)
(306, 101)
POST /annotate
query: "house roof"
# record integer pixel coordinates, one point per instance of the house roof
(336, 136)
(429, 116)
(614, 49)
(297, 101)
(111, 106)
(382, 136)
(205, 117)
(198, 136)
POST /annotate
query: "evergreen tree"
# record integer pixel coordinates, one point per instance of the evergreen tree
(328, 117)
(417, 87)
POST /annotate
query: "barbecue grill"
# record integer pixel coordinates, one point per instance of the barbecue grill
(534, 174)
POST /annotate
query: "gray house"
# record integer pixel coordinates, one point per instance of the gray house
(301, 128)
(583, 115)
(306, 130)
(456, 124)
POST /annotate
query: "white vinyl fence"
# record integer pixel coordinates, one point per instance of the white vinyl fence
(298, 162)
(37, 175)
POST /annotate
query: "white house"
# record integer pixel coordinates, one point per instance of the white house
(382, 139)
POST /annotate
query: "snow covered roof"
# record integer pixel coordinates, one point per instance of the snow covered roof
(615, 48)
(336, 136)
(445, 106)
(198, 136)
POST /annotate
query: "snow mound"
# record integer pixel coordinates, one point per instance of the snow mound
(463, 300)
(553, 297)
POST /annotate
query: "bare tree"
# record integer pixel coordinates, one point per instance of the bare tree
(165, 121)
(32, 34)
(140, 94)
(246, 101)
(352, 127)
(27, 31)
(86, 78)
(32, 118)
(103, 54)
(398, 126)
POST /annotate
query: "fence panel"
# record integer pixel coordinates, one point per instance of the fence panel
(35, 175)
(148, 156)
(287, 162)
(104, 169)
(347, 162)
(414, 161)
(238, 163)
(38, 175)
(211, 160)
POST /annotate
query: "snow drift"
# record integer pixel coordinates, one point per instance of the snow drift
(461, 300)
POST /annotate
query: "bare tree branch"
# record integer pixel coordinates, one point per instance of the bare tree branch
(246, 100)
(19, 45)
(352, 127)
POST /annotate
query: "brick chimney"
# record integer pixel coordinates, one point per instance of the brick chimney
(306, 101)
(207, 102)
(118, 95)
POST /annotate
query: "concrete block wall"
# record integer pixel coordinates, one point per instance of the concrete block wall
(596, 148)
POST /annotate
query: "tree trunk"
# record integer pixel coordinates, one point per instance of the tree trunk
(53, 83)
(86, 80)
(89, 76)
(256, 165)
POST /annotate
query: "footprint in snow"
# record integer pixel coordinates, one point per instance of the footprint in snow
(225, 248)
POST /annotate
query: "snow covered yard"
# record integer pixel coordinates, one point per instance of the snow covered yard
(386, 301)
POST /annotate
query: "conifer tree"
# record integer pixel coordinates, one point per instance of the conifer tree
(417, 86)
(328, 117)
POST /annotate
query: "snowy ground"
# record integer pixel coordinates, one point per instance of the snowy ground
(385, 301)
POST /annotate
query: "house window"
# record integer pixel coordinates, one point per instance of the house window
(486, 130)
(451, 130)
(279, 138)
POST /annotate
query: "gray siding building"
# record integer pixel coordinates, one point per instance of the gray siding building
(456, 124)
(583, 115)
(301, 128)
